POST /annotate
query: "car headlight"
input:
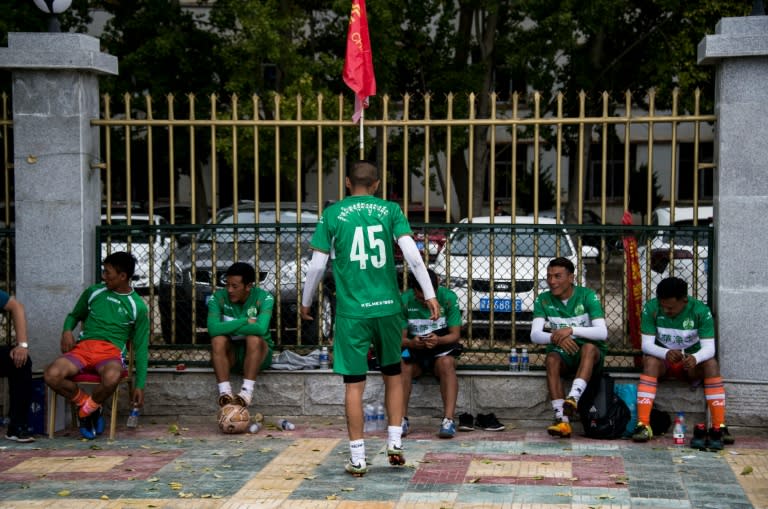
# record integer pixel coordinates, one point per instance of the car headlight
(458, 282)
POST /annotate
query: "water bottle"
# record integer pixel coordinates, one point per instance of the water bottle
(324, 358)
(678, 432)
(254, 428)
(286, 425)
(369, 416)
(681, 416)
(524, 360)
(513, 360)
(133, 417)
(381, 418)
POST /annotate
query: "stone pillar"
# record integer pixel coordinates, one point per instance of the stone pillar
(57, 187)
(739, 50)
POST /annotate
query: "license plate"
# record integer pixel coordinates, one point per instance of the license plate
(501, 305)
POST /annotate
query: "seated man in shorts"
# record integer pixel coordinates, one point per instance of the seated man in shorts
(576, 344)
(431, 345)
(112, 314)
(678, 334)
(238, 322)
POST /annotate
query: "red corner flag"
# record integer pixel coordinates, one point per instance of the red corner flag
(358, 65)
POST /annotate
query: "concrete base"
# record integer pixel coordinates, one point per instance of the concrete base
(519, 399)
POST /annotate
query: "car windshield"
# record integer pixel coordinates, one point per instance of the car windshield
(686, 238)
(265, 233)
(137, 232)
(525, 243)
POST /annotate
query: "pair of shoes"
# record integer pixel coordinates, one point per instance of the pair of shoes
(715, 439)
(225, 399)
(91, 425)
(569, 406)
(447, 428)
(395, 455)
(19, 435)
(712, 439)
(728, 439)
(356, 469)
(466, 422)
(242, 398)
(488, 422)
(560, 429)
(406, 425)
(642, 433)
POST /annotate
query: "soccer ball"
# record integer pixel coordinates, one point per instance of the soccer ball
(234, 419)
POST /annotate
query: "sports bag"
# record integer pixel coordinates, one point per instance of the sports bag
(603, 413)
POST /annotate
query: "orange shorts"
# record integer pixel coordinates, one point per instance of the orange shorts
(92, 354)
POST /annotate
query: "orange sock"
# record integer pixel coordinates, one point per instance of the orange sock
(714, 392)
(80, 397)
(88, 407)
(646, 393)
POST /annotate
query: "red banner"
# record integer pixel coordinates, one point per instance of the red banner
(634, 285)
(358, 64)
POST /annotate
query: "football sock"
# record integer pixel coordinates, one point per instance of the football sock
(646, 393)
(247, 390)
(357, 451)
(246, 396)
(557, 406)
(394, 436)
(577, 389)
(714, 392)
(80, 397)
(225, 388)
(88, 408)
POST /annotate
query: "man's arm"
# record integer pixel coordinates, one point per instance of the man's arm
(19, 354)
(219, 327)
(413, 258)
(78, 314)
(651, 348)
(260, 324)
(140, 346)
(315, 273)
(538, 335)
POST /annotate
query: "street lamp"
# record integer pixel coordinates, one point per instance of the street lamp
(53, 7)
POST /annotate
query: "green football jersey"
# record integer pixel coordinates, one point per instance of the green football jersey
(582, 307)
(359, 233)
(227, 318)
(682, 332)
(418, 321)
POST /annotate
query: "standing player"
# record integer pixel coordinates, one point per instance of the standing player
(359, 232)
(679, 339)
(576, 344)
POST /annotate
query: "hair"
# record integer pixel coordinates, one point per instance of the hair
(414, 284)
(672, 288)
(363, 173)
(244, 270)
(563, 262)
(122, 262)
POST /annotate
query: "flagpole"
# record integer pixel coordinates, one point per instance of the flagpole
(362, 138)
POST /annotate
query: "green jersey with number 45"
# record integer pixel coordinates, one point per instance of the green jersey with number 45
(359, 233)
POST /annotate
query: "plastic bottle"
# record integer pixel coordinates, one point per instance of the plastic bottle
(681, 416)
(513, 366)
(678, 432)
(286, 425)
(524, 360)
(324, 358)
(254, 428)
(381, 418)
(369, 416)
(133, 417)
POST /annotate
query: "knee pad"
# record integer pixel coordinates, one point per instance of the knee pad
(353, 379)
(392, 369)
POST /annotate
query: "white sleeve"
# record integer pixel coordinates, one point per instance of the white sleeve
(597, 332)
(538, 335)
(413, 257)
(651, 348)
(707, 350)
(314, 275)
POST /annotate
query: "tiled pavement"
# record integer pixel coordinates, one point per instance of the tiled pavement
(196, 467)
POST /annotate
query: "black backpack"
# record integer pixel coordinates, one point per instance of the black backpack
(603, 413)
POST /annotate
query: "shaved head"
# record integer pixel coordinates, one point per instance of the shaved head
(363, 174)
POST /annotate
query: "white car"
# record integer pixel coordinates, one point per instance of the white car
(149, 248)
(506, 266)
(684, 254)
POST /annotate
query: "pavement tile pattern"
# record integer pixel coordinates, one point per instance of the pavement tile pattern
(168, 466)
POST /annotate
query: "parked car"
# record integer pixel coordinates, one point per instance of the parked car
(279, 250)
(429, 237)
(682, 254)
(505, 268)
(149, 248)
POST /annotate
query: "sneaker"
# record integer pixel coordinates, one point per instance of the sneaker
(466, 422)
(569, 406)
(715, 439)
(488, 422)
(699, 440)
(97, 418)
(447, 428)
(356, 469)
(242, 399)
(406, 425)
(225, 399)
(642, 433)
(728, 439)
(560, 429)
(86, 427)
(395, 454)
(19, 435)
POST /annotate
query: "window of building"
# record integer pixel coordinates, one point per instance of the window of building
(686, 169)
(614, 177)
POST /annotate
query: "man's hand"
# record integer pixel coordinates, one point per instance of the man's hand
(562, 338)
(19, 356)
(689, 361)
(305, 313)
(428, 341)
(675, 356)
(138, 398)
(67, 341)
(434, 308)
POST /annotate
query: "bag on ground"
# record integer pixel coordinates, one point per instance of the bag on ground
(603, 413)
